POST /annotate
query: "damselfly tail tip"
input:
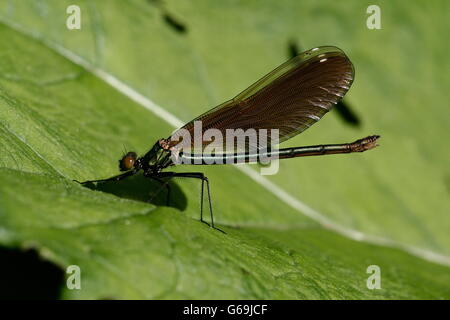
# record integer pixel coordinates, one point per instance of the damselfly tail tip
(365, 144)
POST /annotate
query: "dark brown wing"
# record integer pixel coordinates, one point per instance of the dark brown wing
(291, 98)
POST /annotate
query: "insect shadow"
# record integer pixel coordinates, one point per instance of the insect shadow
(142, 189)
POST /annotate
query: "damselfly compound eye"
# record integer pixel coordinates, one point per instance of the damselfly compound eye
(127, 162)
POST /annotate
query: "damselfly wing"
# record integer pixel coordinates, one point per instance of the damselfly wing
(291, 98)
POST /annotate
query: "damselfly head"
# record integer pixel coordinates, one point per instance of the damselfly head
(127, 162)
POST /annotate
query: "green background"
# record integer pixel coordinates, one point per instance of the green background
(60, 121)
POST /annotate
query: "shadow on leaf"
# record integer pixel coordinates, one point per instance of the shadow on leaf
(139, 188)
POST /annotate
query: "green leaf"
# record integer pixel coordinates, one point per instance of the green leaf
(128, 249)
(59, 122)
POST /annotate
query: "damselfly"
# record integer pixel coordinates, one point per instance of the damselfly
(289, 100)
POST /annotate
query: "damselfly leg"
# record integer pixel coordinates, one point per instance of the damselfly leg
(163, 184)
(193, 175)
(115, 178)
